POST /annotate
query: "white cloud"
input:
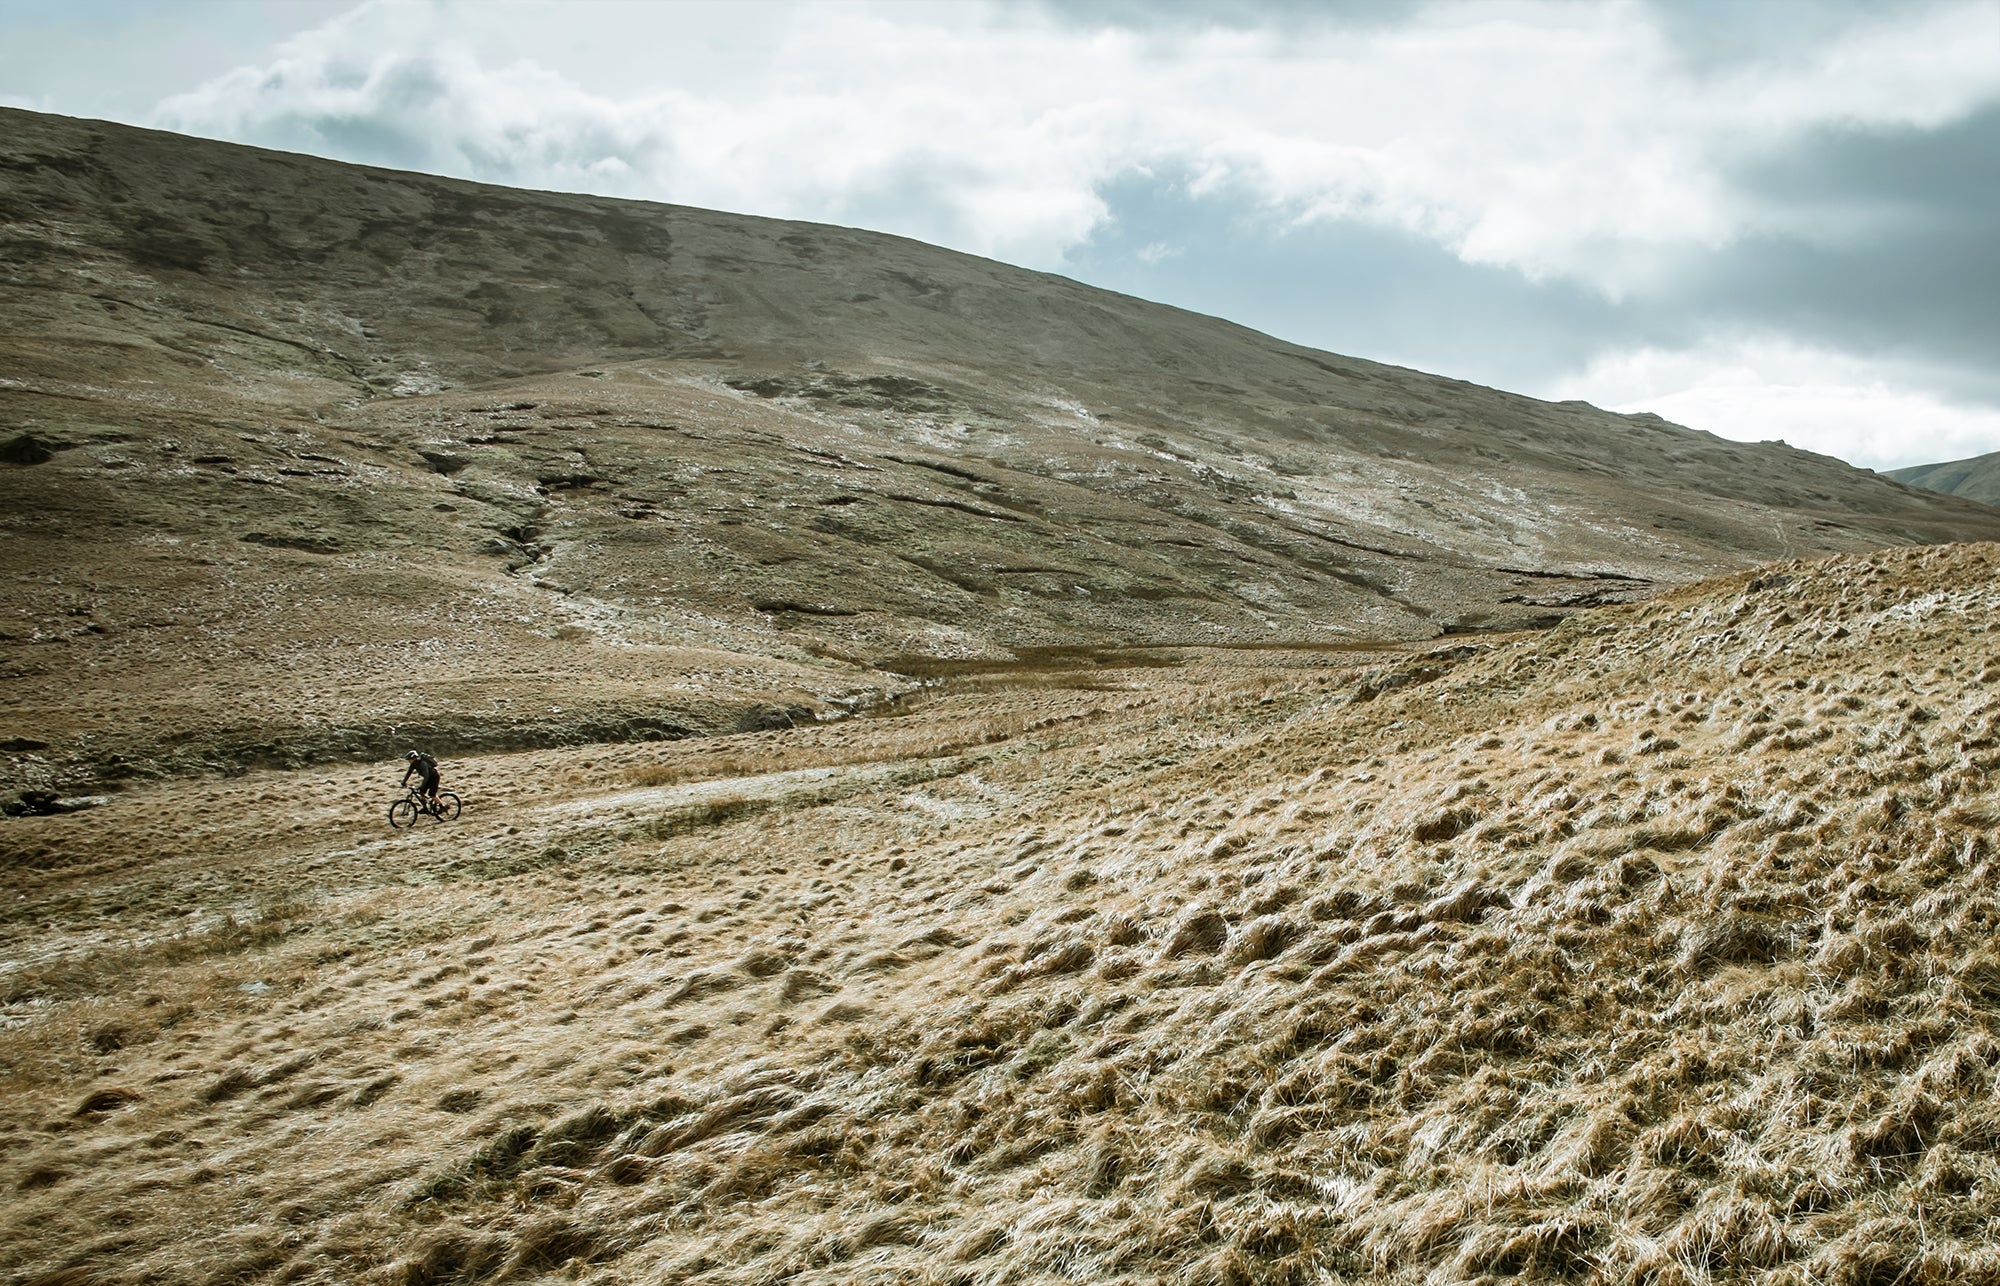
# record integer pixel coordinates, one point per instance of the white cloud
(1552, 138)
(1875, 414)
(1557, 140)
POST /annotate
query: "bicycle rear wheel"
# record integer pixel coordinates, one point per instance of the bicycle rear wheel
(447, 805)
(402, 813)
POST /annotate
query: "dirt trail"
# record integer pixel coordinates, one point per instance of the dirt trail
(295, 836)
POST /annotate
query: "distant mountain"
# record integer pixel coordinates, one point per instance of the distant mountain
(306, 457)
(1975, 479)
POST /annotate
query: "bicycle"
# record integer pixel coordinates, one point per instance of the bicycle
(405, 811)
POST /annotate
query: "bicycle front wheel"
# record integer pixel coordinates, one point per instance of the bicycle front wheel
(402, 813)
(447, 805)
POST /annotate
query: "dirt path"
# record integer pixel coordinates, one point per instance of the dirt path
(249, 995)
(181, 857)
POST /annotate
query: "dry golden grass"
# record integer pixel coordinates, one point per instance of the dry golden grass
(883, 739)
(1657, 948)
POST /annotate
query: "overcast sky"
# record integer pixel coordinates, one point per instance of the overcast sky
(1768, 219)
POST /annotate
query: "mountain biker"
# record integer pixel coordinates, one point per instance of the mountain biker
(427, 789)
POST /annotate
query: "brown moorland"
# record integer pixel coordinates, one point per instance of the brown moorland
(1654, 947)
(967, 778)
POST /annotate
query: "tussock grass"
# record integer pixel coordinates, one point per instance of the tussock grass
(1235, 979)
(916, 740)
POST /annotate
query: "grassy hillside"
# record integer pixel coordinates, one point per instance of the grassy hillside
(1655, 947)
(968, 778)
(1975, 479)
(301, 461)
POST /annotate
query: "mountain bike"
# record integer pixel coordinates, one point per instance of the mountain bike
(405, 811)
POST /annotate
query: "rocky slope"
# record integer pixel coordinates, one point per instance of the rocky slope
(303, 461)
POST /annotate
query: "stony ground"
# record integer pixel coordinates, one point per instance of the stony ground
(1655, 947)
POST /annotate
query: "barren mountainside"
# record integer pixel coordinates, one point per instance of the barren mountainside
(307, 458)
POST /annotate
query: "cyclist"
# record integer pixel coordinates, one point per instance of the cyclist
(422, 764)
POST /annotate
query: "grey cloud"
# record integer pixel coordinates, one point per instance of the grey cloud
(370, 140)
(394, 125)
(912, 198)
(1350, 287)
(118, 58)
(1890, 249)
(1951, 173)
(1721, 35)
(1913, 287)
